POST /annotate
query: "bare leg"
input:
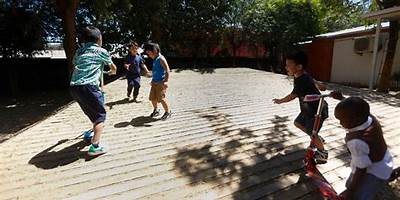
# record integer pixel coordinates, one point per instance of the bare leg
(129, 90)
(165, 105)
(301, 127)
(135, 92)
(98, 130)
(317, 141)
(154, 103)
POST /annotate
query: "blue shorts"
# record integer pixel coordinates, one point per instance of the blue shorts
(308, 121)
(135, 82)
(91, 101)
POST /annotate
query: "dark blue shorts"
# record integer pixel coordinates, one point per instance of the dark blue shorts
(91, 101)
(308, 120)
(135, 82)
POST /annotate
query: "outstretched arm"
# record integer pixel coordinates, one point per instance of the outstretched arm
(145, 68)
(285, 99)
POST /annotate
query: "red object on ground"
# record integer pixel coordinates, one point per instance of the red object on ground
(318, 179)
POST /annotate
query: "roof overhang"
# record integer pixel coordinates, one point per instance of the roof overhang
(389, 13)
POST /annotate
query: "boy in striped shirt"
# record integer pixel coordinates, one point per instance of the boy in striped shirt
(89, 62)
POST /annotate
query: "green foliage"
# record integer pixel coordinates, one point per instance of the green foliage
(176, 25)
(338, 15)
(280, 25)
(198, 25)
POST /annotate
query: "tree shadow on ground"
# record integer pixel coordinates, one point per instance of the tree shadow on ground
(51, 158)
(254, 163)
(371, 96)
(203, 70)
(142, 121)
(23, 111)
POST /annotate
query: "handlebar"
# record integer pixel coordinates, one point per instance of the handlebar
(315, 97)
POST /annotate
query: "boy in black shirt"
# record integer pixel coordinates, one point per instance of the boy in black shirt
(304, 85)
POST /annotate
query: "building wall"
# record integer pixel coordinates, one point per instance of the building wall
(351, 68)
(396, 61)
(320, 53)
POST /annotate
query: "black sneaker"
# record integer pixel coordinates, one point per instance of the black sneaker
(320, 156)
(322, 139)
(155, 113)
(166, 115)
(134, 100)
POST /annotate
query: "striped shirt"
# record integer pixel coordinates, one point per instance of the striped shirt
(89, 62)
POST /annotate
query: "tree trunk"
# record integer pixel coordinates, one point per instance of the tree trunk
(195, 52)
(155, 22)
(67, 9)
(384, 83)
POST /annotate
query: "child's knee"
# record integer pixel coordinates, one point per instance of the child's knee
(299, 125)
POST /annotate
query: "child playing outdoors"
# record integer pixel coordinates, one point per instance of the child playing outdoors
(371, 162)
(133, 64)
(304, 85)
(89, 62)
(159, 82)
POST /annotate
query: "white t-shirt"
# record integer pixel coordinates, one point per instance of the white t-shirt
(359, 156)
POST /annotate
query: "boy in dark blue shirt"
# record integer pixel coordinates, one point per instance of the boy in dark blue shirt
(304, 85)
(133, 64)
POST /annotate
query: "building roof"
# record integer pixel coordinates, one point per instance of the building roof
(351, 31)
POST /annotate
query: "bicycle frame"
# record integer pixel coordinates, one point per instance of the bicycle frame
(310, 166)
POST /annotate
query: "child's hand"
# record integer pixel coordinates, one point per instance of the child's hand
(277, 101)
(321, 87)
(336, 95)
(165, 85)
(113, 72)
(148, 75)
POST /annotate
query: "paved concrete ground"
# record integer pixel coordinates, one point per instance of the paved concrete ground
(226, 140)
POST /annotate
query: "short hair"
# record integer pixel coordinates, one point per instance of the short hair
(89, 34)
(151, 47)
(355, 107)
(299, 57)
(132, 44)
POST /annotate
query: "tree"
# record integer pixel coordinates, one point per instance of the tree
(67, 10)
(194, 25)
(21, 32)
(384, 82)
(338, 15)
(21, 35)
(233, 21)
(278, 27)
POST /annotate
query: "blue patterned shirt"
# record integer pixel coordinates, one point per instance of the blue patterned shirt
(89, 62)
